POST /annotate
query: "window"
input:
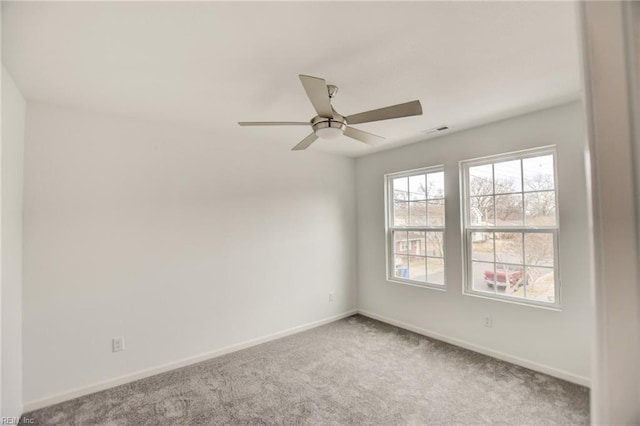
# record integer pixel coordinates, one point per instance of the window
(511, 227)
(415, 227)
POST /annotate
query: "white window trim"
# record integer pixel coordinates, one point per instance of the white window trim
(389, 228)
(467, 285)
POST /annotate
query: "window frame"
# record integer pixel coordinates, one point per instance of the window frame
(467, 228)
(390, 228)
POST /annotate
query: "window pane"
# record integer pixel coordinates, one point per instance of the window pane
(509, 278)
(436, 213)
(509, 210)
(435, 270)
(483, 277)
(509, 247)
(540, 284)
(401, 266)
(538, 248)
(400, 214)
(538, 173)
(481, 212)
(401, 189)
(418, 213)
(481, 180)
(417, 244)
(435, 244)
(417, 187)
(482, 246)
(400, 242)
(507, 176)
(435, 185)
(417, 268)
(540, 208)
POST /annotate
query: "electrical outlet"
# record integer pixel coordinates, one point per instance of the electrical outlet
(330, 296)
(488, 321)
(117, 344)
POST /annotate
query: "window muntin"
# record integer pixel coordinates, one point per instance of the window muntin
(511, 227)
(415, 227)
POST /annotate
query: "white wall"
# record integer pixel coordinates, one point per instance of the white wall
(555, 342)
(612, 101)
(13, 128)
(182, 241)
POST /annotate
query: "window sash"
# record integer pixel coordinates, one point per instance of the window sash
(519, 155)
(468, 268)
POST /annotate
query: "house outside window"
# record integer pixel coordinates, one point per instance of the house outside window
(415, 227)
(510, 227)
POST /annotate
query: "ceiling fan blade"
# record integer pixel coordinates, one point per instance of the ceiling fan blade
(362, 136)
(304, 144)
(274, 123)
(318, 94)
(396, 111)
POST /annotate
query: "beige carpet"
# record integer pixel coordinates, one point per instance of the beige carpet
(356, 371)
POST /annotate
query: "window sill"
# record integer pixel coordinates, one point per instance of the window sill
(419, 284)
(511, 300)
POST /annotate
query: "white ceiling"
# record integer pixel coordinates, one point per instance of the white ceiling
(212, 64)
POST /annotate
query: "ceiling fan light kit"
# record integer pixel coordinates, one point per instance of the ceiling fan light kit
(328, 124)
(329, 128)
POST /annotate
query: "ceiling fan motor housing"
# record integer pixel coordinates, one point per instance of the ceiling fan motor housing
(329, 128)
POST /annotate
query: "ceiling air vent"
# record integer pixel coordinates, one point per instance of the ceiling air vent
(436, 129)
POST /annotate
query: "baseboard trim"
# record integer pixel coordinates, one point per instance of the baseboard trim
(132, 377)
(551, 371)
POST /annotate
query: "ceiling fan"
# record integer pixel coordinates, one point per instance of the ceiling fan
(328, 124)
